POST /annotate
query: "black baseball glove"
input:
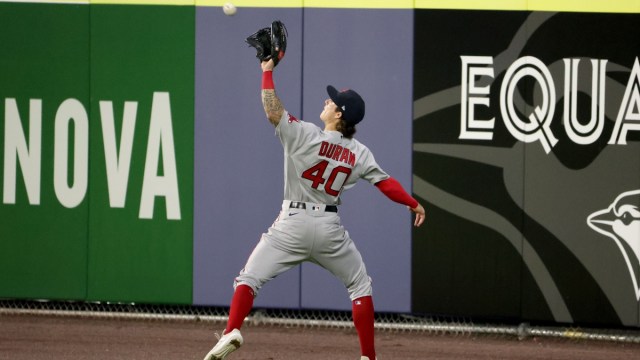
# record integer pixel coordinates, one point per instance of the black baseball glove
(278, 41)
(270, 43)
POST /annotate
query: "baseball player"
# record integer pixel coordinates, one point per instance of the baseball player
(319, 165)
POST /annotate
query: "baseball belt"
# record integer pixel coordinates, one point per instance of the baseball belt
(301, 205)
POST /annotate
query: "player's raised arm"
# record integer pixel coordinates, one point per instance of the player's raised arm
(272, 106)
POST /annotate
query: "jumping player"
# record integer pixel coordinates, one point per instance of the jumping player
(319, 165)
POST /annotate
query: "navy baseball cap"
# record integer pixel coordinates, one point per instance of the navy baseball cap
(349, 102)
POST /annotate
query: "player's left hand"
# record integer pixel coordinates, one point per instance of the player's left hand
(420, 215)
(267, 65)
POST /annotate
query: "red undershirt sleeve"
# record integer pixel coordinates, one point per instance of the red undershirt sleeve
(267, 80)
(394, 191)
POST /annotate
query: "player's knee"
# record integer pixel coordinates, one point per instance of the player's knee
(361, 287)
(247, 281)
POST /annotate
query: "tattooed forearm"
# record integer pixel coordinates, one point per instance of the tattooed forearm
(272, 106)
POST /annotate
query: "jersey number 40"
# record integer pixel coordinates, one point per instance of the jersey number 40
(316, 175)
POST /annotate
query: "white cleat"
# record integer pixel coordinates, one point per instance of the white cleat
(227, 344)
(366, 358)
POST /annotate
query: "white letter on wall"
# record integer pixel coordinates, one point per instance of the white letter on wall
(15, 146)
(71, 111)
(117, 162)
(160, 139)
(629, 114)
(472, 96)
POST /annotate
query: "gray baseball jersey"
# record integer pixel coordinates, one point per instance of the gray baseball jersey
(318, 166)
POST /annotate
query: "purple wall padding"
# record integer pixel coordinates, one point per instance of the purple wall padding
(238, 159)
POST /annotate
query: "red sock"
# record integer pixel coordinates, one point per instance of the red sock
(363, 319)
(241, 305)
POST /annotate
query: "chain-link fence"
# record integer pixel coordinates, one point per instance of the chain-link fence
(386, 322)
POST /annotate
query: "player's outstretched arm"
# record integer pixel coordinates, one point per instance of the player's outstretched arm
(272, 106)
(394, 191)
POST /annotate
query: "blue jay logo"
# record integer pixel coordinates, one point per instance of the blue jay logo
(621, 222)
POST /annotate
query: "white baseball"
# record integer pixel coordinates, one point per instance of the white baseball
(229, 9)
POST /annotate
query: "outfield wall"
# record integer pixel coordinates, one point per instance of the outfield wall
(526, 146)
(138, 166)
